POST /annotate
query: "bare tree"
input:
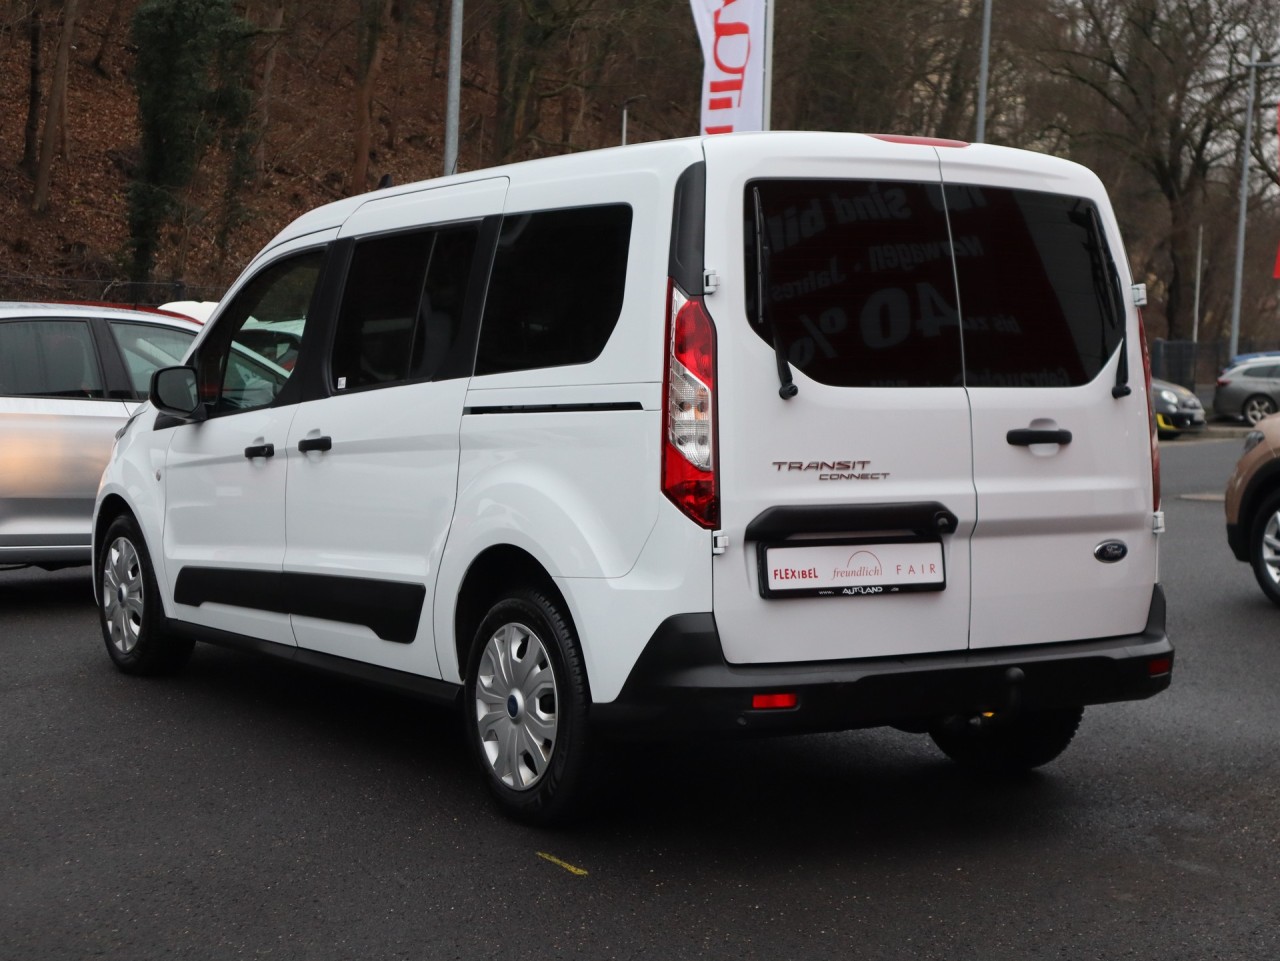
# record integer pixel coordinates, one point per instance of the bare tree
(1166, 90)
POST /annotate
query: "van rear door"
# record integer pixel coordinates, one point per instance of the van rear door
(848, 508)
(1061, 464)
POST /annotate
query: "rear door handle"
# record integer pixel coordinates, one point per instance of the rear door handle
(315, 443)
(1026, 436)
(260, 450)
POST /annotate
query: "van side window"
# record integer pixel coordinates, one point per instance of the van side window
(251, 352)
(1041, 301)
(49, 358)
(555, 292)
(860, 285)
(402, 306)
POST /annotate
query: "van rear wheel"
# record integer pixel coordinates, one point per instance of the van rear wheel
(526, 708)
(1002, 744)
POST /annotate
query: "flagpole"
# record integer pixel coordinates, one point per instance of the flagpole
(453, 96)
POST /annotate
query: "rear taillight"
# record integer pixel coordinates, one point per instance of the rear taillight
(688, 410)
(1223, 382)
(1151, 415)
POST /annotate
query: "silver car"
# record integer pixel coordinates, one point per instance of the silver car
(70, 376)
(1250, 389)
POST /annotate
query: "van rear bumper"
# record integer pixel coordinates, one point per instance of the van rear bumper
(682, 683)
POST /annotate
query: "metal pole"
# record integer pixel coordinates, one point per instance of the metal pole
(1195, 314)
(625, 104)
(1254, 66)
(983, 72)
(455, 90)
(768, 64)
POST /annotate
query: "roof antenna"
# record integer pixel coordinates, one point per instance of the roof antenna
(384, 182)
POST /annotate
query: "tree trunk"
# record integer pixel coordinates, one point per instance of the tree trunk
(368, 59)
(35, 88)
(264, 91)
(108, 34)
(55, 111)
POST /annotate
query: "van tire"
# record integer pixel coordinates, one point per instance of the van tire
(1264, 557)
(134, 628)
(1001, 745)
(525, 708)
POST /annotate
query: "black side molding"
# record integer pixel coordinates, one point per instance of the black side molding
(391, 609)
(923, 518)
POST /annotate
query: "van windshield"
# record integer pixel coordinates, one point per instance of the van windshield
(871, 284)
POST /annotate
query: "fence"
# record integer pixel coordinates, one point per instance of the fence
(25, 287)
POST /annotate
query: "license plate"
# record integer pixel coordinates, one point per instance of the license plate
(851, 570)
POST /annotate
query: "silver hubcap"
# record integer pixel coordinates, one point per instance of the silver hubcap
(1256, 409)
(122, 595)
(1271, 548)
(516, 706)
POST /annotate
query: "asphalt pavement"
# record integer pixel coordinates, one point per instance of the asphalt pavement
(247, 809)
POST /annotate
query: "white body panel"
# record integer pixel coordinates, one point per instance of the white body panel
(1043, 509)
(914, 440)
(377, 505)
(226, 510)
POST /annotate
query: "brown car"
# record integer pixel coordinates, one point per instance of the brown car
(1253, 505)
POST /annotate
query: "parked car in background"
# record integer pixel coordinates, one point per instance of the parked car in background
(1250, 390)
(70, 376)
(1177, 409)
(1253, 506)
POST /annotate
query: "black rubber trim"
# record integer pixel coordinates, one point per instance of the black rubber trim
(391, 609)
(429, 688)
(923, 518)
(1238, 541)
(554, 408)
(1264, 481)
(682, 684)
(1026, 436)
(688, 228)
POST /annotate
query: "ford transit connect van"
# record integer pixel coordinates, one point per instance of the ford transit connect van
(758, 433)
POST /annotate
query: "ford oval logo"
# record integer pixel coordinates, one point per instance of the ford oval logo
(1110, 551)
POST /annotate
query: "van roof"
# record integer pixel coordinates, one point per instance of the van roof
(988, 157)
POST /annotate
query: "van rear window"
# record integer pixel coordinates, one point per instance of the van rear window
(868, 282)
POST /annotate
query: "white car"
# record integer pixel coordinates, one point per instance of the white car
(757, 433)
(70, 376)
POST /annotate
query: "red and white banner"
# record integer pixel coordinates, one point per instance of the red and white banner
(734, 51)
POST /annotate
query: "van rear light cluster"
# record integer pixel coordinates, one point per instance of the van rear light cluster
(688, 415)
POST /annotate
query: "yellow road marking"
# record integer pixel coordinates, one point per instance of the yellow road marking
(581, 872)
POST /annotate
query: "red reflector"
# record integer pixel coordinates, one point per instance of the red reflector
(1159, 665)
(764, 702)
(922, 141)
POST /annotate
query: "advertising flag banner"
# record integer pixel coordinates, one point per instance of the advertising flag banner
(732, 33)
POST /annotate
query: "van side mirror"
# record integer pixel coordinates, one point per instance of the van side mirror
(173, 392)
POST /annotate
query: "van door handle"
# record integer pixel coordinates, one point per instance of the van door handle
(260, 450)
(315, 443)
(1026, 436)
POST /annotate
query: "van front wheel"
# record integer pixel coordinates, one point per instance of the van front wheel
(130, 611)
(526, 708)
(997, 744)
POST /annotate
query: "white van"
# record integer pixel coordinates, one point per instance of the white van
(757, 433)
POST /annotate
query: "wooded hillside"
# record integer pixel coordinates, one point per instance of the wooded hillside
(185, 133)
